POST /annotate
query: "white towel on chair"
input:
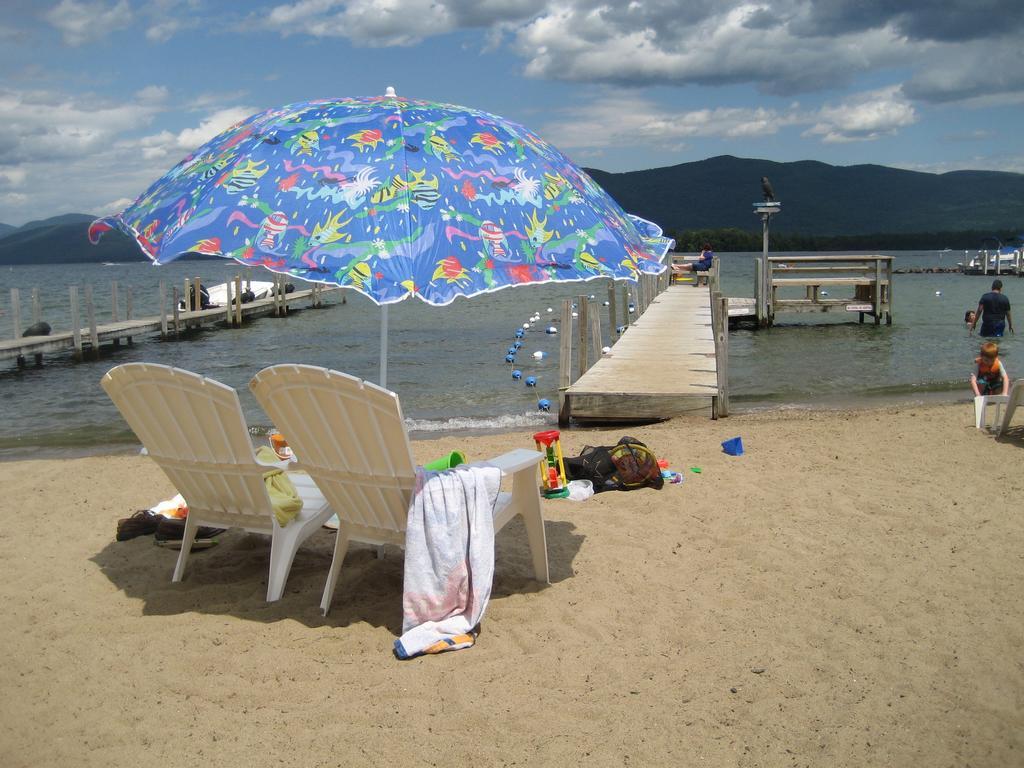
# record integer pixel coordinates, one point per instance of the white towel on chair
(449, 559)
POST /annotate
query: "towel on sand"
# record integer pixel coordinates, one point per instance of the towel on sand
(283, 496)
(449, 559)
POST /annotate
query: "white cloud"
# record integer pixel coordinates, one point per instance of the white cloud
(65, 153)
(394, 22)
(864, 117)
(83, 22)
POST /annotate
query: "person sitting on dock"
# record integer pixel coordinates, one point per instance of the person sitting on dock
(990, 378)
(994, 312)
(702, 264)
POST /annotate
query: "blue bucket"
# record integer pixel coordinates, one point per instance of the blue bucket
(733, 446)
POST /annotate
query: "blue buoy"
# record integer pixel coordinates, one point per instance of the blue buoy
(512, 350)
(531, 381)
(517, 374)
(520, 333)
(543, 404)
(510, 358)
(517, 345)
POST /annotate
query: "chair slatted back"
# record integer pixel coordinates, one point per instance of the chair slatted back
(194, 429)
(349, 436)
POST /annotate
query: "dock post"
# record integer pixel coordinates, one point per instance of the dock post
(758, 284)
(16, 311)
(176, 310)
(90, 314)
(723, 361)
(612, 312)
(128, 309)
(716, 331)
(238, 301)
(76, 321)
(595, 331)
(565, 363)
(888, 292)
(114, 310)
(163, 309)
(878, 292)
(581, 333)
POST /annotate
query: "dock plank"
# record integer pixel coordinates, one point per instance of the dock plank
(662, 365)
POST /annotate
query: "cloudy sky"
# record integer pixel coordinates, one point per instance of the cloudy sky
(100, 97)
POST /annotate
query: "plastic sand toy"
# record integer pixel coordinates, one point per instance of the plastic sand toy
(552, 468)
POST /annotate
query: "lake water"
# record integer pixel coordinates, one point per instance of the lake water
(447, 363)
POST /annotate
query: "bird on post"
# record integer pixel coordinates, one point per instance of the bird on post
(766, 189)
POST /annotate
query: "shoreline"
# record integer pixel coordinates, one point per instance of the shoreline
(742, 407)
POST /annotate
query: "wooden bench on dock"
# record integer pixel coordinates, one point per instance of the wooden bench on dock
(869, 276)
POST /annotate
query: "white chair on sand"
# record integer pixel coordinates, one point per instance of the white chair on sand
(194, 429)
(1015, 398)
(350, 437)
(981, 405)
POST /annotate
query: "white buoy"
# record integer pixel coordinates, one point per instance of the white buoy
(606, 303)
(605, 350)
(550, 309)
(526, 325)
(538, 355)
(592, 296)
(824, 293)
(552, 329)
(938, 293)
(575, 314)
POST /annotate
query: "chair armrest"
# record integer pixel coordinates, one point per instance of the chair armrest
(282, 464)
(516, 461)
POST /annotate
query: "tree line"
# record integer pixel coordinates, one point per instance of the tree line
(734, 239)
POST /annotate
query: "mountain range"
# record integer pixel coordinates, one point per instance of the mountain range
(717, 193)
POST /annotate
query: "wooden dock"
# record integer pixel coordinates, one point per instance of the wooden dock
(663, 365)
(87, 340)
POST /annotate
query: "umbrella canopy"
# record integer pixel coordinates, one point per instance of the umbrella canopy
(394, 197)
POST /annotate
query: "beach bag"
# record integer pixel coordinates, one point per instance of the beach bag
(625, 466)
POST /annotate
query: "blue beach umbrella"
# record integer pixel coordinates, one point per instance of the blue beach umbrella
(393, 197)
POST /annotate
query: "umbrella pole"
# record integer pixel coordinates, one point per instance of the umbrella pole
(384, 346)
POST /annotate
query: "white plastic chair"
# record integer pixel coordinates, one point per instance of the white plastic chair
(1015, 398)
(194, 429)
(981, 405)
(350, 437)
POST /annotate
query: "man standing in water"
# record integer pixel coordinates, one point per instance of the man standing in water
(994, 312)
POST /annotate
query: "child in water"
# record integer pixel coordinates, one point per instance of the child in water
(991, 377)
(969, 318)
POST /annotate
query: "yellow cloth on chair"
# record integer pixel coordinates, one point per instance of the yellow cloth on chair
(283, 496)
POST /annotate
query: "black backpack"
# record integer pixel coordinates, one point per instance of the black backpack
(625, 466)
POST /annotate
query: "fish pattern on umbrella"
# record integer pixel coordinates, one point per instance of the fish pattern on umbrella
(395, 197)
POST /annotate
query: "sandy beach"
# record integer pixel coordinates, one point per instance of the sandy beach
(850, 592)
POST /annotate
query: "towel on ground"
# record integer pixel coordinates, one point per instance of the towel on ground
(283, 496)
(449, 559)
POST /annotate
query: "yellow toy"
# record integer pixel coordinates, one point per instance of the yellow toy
(552, 469)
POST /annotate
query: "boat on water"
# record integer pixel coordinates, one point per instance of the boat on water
(995, 258)
(224, 293)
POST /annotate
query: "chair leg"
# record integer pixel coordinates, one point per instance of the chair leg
(283, 546)
(979, 411)
(340, 548)
(189, 536)
(526, 501)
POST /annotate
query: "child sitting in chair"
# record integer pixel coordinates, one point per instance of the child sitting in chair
(991, 377)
